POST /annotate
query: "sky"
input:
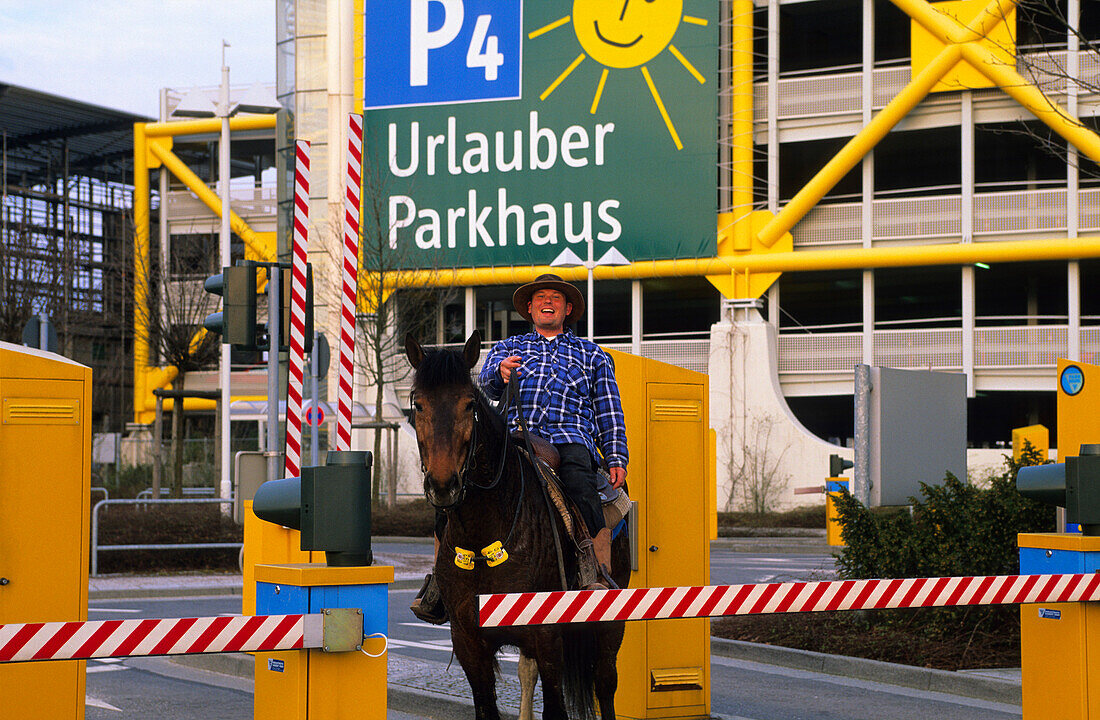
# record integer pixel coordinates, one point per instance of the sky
(119, 53)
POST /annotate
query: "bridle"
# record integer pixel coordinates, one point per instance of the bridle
(468, 461)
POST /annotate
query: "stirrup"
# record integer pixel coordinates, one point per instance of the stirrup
(428, 604)
(588, 576)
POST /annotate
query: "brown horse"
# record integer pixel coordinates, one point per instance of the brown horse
(474, 472)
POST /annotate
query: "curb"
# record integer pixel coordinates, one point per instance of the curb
(165, 592)
(240, 665)
(928, 679)
(977, 687)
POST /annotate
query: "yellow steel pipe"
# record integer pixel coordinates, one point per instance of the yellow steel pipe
(209, 198)
(856, 148)
(996, 12)
(141, 266)
(1025, 93)
(856, 258)
(208, 125)
(741, 101)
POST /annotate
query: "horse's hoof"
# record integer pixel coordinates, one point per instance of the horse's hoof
(428, 605)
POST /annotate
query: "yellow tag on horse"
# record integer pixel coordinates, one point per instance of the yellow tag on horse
(495, 554)
(464, 558)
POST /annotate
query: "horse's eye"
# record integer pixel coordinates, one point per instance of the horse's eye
(418, 407)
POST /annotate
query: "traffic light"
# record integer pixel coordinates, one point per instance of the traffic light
(838, 465)
(330, 505)
(236, 323)
(284, 315)
(1074, 485)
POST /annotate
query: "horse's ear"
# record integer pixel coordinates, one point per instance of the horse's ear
(472, 351)
(413, 351)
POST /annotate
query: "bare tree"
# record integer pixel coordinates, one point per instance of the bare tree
(26, 266)
(1041, 47)
(172, 319)
(390, 314)
(755, 473)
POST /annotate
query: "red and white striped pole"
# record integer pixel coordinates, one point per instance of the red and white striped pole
(21, 642)
(297, 311)
(574, 606)
(351, 281)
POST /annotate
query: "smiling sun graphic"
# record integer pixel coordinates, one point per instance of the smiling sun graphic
(625, 34)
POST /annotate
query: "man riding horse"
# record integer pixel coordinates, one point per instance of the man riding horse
(568, 395)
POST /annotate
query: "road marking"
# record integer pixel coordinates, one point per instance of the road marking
(96, 703)
(445, 626)
(106, 668)
(443, 646)
(113, 610)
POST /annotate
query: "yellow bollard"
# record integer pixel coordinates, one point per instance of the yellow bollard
(833, 487)
(301, 684)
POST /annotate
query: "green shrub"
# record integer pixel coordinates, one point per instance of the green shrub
(953, 529)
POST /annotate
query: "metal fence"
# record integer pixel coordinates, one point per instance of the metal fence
(97, 548)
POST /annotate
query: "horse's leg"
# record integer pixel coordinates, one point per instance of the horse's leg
(548, 655)
(609, 639)
(476, 660)
(528, 675)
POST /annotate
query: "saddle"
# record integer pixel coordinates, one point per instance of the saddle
(615, 502)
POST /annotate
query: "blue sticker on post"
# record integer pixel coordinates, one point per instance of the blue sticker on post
(435, 52)
(1071, 380)
(1048, 614)
(275, 665)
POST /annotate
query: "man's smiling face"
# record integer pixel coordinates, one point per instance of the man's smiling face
(625, 33)
(548, 310)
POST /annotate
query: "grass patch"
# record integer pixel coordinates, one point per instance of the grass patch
(942, 638)
(807, 516)
(152, 525)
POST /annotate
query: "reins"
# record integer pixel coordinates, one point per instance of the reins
(510, 396)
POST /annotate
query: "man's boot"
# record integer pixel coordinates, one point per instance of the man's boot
(601, 544)
(588, 568)
(428, 604)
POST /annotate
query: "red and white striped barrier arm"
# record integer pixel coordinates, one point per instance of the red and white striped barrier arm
(22, 642)
(351, 281)
(577, 606)
(297, 311)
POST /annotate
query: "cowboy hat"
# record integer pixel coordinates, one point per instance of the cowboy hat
(522, 296)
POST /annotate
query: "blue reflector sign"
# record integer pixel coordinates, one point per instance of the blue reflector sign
(431, 52)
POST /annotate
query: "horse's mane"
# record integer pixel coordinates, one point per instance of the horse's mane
(442, 367)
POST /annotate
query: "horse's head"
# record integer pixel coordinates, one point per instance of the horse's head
(444, 399)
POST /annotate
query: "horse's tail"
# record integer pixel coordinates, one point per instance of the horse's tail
(580, 647)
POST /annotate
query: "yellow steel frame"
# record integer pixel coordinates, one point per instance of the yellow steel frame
(962, 43)
(152, 149)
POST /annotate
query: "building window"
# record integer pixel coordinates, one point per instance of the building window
(823, 34)
(825, 301)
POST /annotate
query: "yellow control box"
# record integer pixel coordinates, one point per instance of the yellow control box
(301, 684)
(664, 665)
(46, 446)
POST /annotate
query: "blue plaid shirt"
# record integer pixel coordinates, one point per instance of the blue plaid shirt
(567, 391)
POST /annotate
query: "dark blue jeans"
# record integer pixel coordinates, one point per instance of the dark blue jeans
(578, 478)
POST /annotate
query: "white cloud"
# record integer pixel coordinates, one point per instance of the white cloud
(119, 53)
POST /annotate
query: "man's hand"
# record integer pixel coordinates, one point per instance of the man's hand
(618, 476)
(507, 365)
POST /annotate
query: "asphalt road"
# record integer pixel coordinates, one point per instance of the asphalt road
(740, 690)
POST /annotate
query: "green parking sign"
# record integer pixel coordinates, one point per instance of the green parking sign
(612, 139)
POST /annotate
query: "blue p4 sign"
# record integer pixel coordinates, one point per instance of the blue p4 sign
(432, 52)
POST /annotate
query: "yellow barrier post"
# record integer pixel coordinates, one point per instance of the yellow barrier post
(301, 684)
(834, 486)
(1037, 435)
(46, 443)
(1056, 635)
(664, 665)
